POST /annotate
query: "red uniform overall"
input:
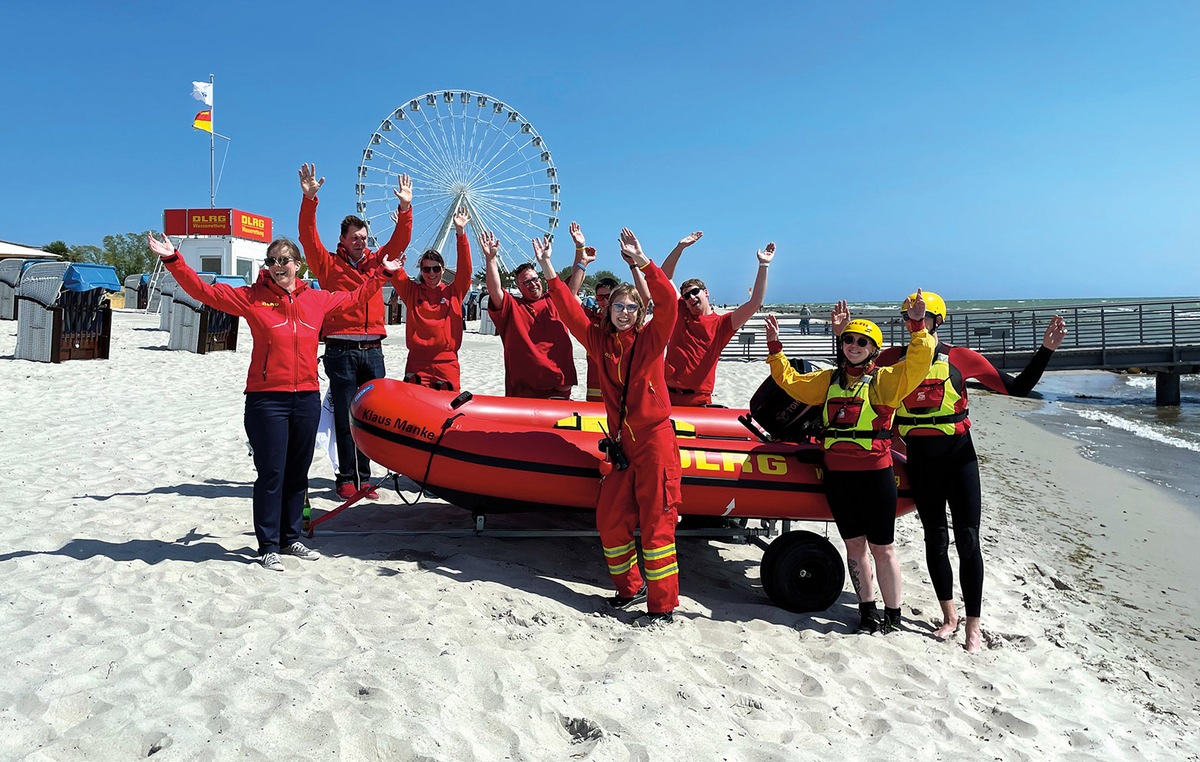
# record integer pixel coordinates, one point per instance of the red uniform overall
(647, 494)
(434, 321)
(692, 355)
(538, 359)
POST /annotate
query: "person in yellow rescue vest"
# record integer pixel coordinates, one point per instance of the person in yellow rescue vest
(859, 401)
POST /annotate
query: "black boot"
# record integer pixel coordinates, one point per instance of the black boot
(869, 620)
(625, 601)
(891, 621)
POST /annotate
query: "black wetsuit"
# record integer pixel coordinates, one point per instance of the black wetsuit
(944, 470)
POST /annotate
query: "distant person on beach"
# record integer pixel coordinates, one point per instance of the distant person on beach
(538, 360)
(859, 399)
(433, 327)
(353, 334)
(647, 492)
(584, 256)
(283, 399)
(942, 465)
(701, 333)
(805, 317)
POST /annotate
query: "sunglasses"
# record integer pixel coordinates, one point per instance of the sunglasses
(431, 268)
(691, 292)
(272, 261)
(862, 341)
(624, 307)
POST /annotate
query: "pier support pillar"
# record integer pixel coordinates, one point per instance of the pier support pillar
(1166, 388)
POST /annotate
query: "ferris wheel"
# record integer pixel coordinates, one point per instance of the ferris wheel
(460, 147)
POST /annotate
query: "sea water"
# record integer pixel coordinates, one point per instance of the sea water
(1115, 420)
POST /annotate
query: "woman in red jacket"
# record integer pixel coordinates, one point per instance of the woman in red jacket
(646, 493)
(434, 313)
(283, 401)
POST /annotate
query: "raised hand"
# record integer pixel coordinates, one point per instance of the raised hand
(766, 255)
(542, 251)
(308, 180)
(489, 244)
(1055, 333)
(577, 234)
(631, 250)
(393, 266)
(690, 239)
(461, 218)
(164, 248)
(585, 256)
(915, 307)
(403, 193)
(772, 328)
(839, 318)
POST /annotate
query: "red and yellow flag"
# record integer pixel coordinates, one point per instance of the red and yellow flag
(203, 121)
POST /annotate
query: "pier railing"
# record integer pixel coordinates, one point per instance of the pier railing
(1160, 335)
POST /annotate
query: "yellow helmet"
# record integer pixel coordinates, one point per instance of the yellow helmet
(934, 304)
(865, 328)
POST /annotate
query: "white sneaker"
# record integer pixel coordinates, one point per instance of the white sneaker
(271, 562)
(301, 551)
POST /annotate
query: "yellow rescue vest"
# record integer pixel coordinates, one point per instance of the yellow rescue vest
(931, 406)
(849, 416)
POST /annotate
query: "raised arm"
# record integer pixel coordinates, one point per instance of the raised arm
(316, 256)
(570, 311)
(976, 366)
(216, 295)
(894, 383)
(666, 305)
(462, 262)
(402, 231)
(755, 303)
(368, 288)
(639, 282)
(668, 265)
(809, 388)
(584, 256)
(491, 247)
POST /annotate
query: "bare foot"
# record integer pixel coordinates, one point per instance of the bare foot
(948, 628)
(974, 642)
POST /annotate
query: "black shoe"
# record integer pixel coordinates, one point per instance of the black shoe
(652, 619)
(623, 602)
(870, 623)
(891, 622)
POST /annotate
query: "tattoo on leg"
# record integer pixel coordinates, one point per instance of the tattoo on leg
(852, 565)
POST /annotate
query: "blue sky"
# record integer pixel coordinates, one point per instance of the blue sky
(979, 150)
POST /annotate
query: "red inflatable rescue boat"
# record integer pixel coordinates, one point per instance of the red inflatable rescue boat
(491, 454)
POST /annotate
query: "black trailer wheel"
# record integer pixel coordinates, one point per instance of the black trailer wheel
(802, 572)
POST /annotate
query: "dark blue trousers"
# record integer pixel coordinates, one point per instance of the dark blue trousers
(348, 368)
(282, 429)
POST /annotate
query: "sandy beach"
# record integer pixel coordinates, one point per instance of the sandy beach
(138, 622)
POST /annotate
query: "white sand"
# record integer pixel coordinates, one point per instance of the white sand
(135, 618)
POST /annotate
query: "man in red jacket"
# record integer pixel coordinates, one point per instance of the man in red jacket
(701, 333)
(353, 335)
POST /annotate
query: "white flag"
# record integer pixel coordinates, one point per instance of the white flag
(203, 91)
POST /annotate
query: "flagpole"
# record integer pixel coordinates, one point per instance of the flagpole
(212, 151)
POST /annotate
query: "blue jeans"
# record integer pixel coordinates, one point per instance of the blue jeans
(348, 368)
(282, 429)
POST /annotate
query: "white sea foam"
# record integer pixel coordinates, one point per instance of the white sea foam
(1139, 381)
(1139, 429)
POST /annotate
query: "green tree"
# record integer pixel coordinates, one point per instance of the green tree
(60, 248)
(507, 279)
(128, 253)
(86, 253)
